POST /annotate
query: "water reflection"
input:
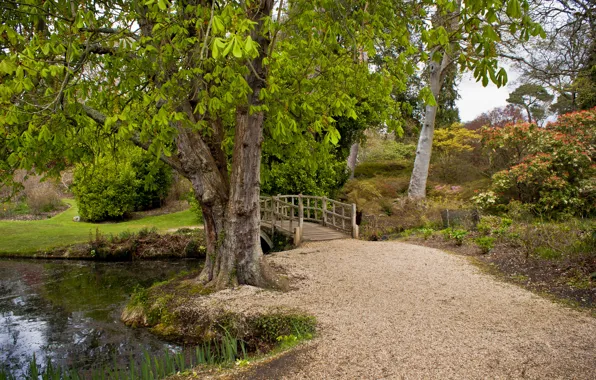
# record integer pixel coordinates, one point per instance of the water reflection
(69, 311)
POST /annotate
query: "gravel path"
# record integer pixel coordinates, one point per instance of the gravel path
(390, 310)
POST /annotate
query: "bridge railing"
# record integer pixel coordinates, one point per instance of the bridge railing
(290, 211)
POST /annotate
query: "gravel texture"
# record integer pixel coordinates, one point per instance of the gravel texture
(390, 310)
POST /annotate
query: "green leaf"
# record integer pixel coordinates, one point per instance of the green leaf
(214, 50)
(514, 9)
(218, 25)
(228, 48)
(502, 75)
(250, 46)
(237, 49)
(7, 66)
(490, 33)
(427, 96)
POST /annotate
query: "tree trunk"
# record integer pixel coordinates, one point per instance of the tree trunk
(529, 114)
(232, 221)
(352, 159)
(417, 189)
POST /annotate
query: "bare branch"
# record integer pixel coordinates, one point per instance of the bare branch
(124, 32)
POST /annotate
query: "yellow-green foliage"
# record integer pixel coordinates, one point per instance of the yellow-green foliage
(455, 157)
(454, 139)
(385, 148)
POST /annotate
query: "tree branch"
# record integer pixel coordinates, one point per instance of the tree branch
(100, 118)
(125, 32)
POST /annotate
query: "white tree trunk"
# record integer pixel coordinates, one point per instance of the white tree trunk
(417, 189)
(352, 159)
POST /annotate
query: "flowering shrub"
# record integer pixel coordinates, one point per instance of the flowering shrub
(486, 200)
(551, 168)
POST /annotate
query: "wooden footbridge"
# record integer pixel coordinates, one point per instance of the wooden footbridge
(308, 218)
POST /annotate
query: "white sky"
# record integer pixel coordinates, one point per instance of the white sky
(476, 99)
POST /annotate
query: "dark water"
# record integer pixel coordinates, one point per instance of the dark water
(69, 312)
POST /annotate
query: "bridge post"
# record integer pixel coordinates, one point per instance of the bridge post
(297, 236)
(354, 225)
(300, 211)
(273, 207)
(324, 207)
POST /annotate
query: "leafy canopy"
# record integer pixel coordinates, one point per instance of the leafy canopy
(78, 79)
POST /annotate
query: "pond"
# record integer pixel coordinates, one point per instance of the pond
(69, 312)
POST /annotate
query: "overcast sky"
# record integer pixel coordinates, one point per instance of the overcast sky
(476, 99)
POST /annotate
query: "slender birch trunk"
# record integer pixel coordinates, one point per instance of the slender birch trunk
(352, 158)
(417, 189)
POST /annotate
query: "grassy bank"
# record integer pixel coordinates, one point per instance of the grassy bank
(30, 237)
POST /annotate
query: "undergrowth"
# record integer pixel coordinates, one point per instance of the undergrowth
(227, 351)
(164, 309)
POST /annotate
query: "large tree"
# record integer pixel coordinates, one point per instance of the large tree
(564, 61)
(466, 33)
(533, 99)
(200, 83)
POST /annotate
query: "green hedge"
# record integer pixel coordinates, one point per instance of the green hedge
(112, 188)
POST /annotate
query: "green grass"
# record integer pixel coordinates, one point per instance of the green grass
(26, 237)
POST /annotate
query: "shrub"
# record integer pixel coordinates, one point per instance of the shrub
(361, 192)
(454, 139)
(426, 232)
(452, 155)
(12, 209)
(457, 235)
(153, 181)
(386, 206)
(379, 149)
(33, 195)
(454, 169)
(112, 188)
(485, 243)
(105, 191)
(550, 168)
(494, 225)
(571, 239)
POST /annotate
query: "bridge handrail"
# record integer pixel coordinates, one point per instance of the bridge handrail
(298, 208)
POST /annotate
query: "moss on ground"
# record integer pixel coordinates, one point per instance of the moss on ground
(172, 310)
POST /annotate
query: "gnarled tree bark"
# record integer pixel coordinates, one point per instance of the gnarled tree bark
(230, 202)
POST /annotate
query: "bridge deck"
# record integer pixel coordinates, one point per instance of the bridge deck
(310, 232)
